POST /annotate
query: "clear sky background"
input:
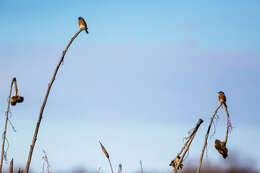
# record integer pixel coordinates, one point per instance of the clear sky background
(147, 71)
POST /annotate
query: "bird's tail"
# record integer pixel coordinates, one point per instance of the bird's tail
(87, 30)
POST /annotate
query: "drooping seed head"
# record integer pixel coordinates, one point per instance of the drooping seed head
(20, 99)
(104, 150)
(221, 148)
(13, 100)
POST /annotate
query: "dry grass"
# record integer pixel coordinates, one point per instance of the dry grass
(107, 156)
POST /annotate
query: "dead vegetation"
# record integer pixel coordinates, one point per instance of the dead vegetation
(176, 163)
(16, 98)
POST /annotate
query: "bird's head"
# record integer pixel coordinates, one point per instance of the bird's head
(80, 18)
(220, 92)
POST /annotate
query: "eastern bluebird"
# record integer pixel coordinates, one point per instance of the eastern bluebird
(222, 97)
(83, 24)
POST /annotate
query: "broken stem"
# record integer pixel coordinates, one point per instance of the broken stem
(187, 144)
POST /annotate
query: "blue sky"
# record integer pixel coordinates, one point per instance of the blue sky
(138, 82)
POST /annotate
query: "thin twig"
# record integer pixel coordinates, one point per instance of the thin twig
(141, 166)
(206, 138)
(11, 124)
(110, 165)
(120, 168)
(184, 146)
(43, 167)
(45, 160)
(6, 122)
(99, 170)
(7, 147)
(44, 103)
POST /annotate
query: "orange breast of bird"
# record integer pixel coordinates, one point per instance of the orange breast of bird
(222, 97)
(82, 24)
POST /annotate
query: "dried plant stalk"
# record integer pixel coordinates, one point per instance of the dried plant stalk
(120, 168)
(141, 166)
(107, 155)
(11, 166)
(228, 124)
(219, 145)
(44, 103)
(6, 121)
(20, 170)
(177, 161)
(190, 141)
(15, 86)
(206, 138)
(104, 150)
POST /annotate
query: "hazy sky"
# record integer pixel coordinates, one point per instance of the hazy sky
(140, 80)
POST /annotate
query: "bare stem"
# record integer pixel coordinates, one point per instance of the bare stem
(206, 138)
(15, 86)
(141, 166)
(228, 124)
(120, 168)
(45, 159)
(44, 103)
(110, 165)
(6, 121)
(107, 155)
(184, 146)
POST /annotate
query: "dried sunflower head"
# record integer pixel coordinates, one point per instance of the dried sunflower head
(13, 100)
(221, 148)
(19, 99)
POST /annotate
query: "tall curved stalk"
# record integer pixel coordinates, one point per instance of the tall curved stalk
(206, 138)
(6, 120)
(44, 102)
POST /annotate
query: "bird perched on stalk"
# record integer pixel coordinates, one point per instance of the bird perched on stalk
(222, 98)
(82, 24)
